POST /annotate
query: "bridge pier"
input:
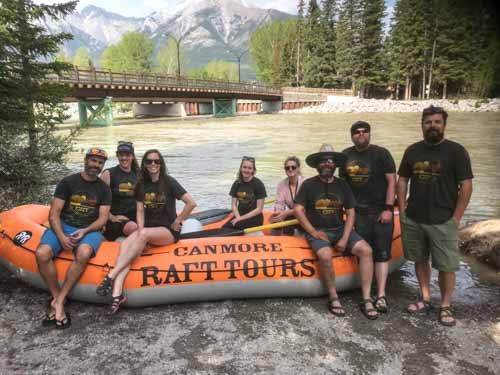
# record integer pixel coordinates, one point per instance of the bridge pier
(272, 106)
(95, 112)
(224, 107)
(205, 108)
(159, 110)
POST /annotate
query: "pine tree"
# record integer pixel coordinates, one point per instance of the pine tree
(327, 71)
(314, 44)
(30, 107)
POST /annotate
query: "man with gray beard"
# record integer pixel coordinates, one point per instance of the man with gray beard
(78, 212)
(319, 206)
(440, 175)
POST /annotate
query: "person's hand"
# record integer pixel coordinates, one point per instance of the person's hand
(77, 235)
(385, 217)
(176, 225)
(341, 244)
(278, 216)
(66, 243)
(118, 218)
(456, 221)
(320, 235)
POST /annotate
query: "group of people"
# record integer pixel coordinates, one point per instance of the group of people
(352, 213)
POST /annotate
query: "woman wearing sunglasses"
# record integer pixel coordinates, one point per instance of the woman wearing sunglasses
(285, 193)
(158, 224)
(121, 179)
(248, 193)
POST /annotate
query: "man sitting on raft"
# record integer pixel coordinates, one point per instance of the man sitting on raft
(79, 210)
(319, 207)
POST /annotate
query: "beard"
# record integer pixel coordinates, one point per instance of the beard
(433, 136)
(92, 171)
(326, 172)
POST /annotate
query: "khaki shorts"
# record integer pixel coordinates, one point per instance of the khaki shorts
(440, 241)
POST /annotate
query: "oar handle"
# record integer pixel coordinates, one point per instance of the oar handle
(281, 224)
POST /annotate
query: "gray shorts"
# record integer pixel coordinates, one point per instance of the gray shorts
(334, 236)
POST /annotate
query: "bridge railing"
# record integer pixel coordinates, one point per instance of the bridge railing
(105, 77)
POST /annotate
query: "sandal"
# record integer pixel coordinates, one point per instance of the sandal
(380, 304)
(336, 310)
(50, 317)
(421, 306)
(367, 310)
(105, 287)
(446, 312)
(64, 322)
(116, 302)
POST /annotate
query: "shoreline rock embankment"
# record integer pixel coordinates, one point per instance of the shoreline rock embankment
(354, 104)
(482, 241)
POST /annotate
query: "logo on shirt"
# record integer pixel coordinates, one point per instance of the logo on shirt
(154, 200)
(358, 172)
(426, 171)
(245, 197)
(328, 205)
(82, 204)
(126, 188)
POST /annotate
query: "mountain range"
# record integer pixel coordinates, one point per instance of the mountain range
(210, 29)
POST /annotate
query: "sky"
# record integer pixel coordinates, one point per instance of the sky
(142, 8)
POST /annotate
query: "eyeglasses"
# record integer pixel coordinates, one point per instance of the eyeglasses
(153, 161)
(249, 158)
(290, 167)
(326, 160)
(360, 131)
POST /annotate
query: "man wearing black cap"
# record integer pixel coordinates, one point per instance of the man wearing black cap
(78, 211)
(319, 207)
(370, 171)
(441, 186)
(122, 179)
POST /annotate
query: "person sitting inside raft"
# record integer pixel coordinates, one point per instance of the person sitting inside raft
(157, 221)
(285, 194)
(248, 194)
(122, 179)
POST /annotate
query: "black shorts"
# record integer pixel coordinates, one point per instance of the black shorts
(114, 229)
(378, 236)
(255, 221)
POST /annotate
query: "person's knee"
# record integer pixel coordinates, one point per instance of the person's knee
(143, 235)
(324, 255)
(129, 228)
(44, 254)
(83, 254)
(363, 250)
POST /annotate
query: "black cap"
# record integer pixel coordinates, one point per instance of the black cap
(125, 147)
(360, 125)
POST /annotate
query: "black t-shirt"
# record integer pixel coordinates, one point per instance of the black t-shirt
(325, 202)
(122, 186)
(247, 194)
(365, 173)
(434, 173)
(159, 207)
(82, 199)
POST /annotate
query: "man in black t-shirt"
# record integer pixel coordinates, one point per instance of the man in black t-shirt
(440, 175)
(78, 212)
(320, 206)
(371, 173)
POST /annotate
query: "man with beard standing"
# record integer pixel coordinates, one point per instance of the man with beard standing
(441, 186)
(78, 212)
(320, 206)
(371, 173)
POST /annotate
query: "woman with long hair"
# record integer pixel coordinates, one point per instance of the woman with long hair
(121, 179)
(248, 193)
(286, 191)
(157, 221)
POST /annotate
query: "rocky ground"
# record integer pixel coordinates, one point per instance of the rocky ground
(482, 241)
(262, 336)
(354, 104)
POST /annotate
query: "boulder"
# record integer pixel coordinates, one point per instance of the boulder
(482, 241)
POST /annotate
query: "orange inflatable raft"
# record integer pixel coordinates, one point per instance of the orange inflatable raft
(202, 269)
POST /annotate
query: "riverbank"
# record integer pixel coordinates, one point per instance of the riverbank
(482, 241)
(349, 104)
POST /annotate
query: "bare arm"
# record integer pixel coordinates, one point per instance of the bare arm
(386, 215)
(234, 207)
(140, 215)
(463, 200)
(256, 211)
(300, 214)
(97, 225)
(189, 205)
(106, 177)
(56, 208)
(402, 189)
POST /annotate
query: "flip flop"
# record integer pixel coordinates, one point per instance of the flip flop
(367, 310)
(64, 322)
(49, 320)
(336, 310)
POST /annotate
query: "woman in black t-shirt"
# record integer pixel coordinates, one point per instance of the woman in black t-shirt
(248, 193)
(157, 221)
(122, 179)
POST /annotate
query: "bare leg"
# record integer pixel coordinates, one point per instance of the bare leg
(447, 286)
(364, 252)
(82, 256)
(47, 269)
(423, 272)
(129, 228)
(381, 272)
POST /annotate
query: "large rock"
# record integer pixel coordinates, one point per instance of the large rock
(482, 241)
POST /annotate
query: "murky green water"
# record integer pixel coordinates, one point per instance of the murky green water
(204, 154)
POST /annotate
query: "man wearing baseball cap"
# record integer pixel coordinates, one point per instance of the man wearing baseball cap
(78, 211)
(320, 206)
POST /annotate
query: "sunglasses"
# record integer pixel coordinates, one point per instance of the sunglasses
(326, 160)
(249, 158)
(290, 167)
(360, 131)
(153, 161)
(125, 143)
